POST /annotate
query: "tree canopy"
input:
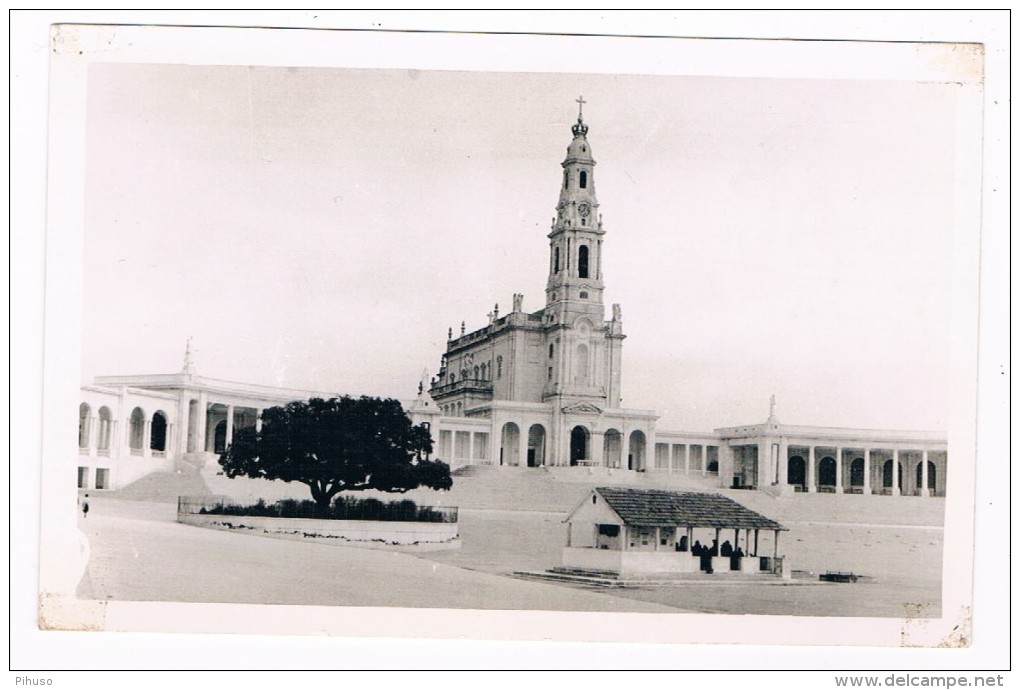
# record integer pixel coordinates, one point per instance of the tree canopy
(339, 444)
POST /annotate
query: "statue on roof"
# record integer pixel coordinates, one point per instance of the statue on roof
(189, 365)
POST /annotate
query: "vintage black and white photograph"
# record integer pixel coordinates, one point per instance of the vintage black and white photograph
(581, 327)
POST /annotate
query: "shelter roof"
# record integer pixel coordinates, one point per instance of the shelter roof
(658, 508)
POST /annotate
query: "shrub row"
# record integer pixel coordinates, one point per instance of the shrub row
(342, 508)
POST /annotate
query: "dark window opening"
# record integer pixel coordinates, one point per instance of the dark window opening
(582, 261)
(609, 530)
(584, 295)
(556, 260)
(583, 180)
(550, 350)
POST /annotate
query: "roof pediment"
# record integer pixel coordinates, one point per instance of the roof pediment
(582, 407)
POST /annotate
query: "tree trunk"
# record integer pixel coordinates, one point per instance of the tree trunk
(321, 497)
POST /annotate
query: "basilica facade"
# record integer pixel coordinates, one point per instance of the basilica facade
(528, 389)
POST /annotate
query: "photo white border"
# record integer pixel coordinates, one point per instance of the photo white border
(710, 57)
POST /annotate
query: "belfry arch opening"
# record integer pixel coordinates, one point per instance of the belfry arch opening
(582, 261)
(582, 179)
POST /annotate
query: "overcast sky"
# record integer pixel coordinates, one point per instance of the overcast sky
(322, 228)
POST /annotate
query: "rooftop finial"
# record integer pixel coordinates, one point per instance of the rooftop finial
(580, 129)
(772, 410)
(189, 366)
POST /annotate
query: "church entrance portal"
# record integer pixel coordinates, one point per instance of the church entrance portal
(578, 446)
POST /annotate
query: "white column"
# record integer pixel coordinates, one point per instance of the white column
(924, 474)
(598, 447)
(687, 458)
(811, 470)
(202, 419)
(896, 472)
(784, 462)
(147, 439)
(229, 436)
(183, 411)
(839, 470)
(471, 447)
(866, 489)
(704, 458)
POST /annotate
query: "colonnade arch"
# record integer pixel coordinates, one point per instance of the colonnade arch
(510, 443)
(796, 471)
(827, 471)
(887, 475)
(919, 472)
(636, 451)
(136, 435)
(84, 418)
(612, 448)
(536, 445)
(105, 429)
(157, 432)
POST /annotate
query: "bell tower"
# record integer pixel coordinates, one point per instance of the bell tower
(575, 242)
(583, 347)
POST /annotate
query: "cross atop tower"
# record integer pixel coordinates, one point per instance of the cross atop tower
(580, 129)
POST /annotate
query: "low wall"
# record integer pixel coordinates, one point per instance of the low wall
(646, 562)
(591, 559)
(643, 563)
(342, 532)
(630, 562)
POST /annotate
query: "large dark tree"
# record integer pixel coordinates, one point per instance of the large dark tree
(340, 444)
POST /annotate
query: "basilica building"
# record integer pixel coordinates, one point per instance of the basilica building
(534, 389)
(548, 382)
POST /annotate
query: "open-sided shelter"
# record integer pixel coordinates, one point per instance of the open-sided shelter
(643, 531)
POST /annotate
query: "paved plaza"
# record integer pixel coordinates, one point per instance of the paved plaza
(139, 553)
